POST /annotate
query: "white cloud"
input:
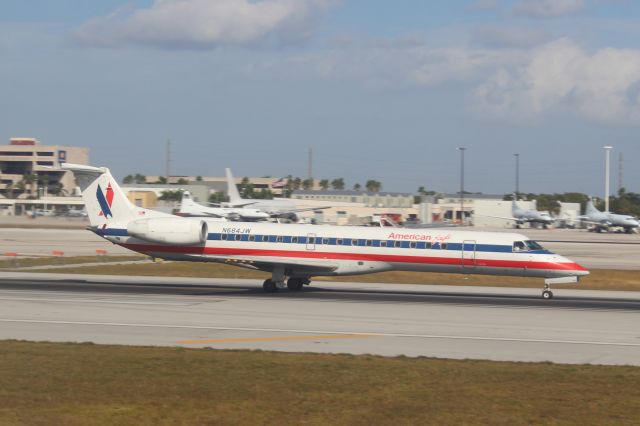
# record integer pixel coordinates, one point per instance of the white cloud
(561, 78)
(205, 23)
(556, 79)
(547, 8)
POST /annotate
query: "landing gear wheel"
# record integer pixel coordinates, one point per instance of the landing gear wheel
(295, 284)
(547, 294)
(269, 286)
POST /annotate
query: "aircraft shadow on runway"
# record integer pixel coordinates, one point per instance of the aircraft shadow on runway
(318, 293)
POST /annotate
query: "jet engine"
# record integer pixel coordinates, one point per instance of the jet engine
(170, 230)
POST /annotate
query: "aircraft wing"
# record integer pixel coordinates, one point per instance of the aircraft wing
(503, 217)
(586, 219)
(267, 263)
(293, 211)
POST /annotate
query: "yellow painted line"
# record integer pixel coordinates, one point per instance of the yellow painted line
(275, 339)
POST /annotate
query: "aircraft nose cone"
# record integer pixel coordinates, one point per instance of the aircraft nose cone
(572, 268)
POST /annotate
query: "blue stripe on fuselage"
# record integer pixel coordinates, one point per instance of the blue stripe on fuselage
(484, 248)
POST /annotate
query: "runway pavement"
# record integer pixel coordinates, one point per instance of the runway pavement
(434, 321)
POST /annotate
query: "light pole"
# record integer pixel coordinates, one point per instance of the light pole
(517, 175)
(607, 152)
(461, 149)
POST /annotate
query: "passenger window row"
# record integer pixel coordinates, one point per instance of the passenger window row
(355, 242)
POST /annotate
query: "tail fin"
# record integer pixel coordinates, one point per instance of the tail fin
(514, 203)
(105, 202)
(187, 205)
(232, 189)
(591, 208)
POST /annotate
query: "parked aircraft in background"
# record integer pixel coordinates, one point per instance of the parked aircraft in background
(188, 207)
(276, 208)
(292, 254)
(603, 221)
(533, 217)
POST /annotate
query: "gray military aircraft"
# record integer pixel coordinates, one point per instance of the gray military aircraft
(533, 217)
(603, 221)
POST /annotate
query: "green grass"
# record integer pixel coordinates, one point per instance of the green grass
(80, 384)
(12, 263)
(600, 279)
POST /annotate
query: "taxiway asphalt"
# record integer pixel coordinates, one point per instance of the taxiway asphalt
(413, 320)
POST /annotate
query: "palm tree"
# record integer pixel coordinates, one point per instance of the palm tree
(338, 184)
(307, 184)
(373, 185)
(10, 190)
(29, 179)
(297, 182)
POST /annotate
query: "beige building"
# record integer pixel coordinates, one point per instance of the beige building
(26, 156)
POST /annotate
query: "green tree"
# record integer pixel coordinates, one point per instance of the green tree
(324, 184)
(170, 195)
(338, 184)
(198, 178)
(373, 186)
(10, 190)
(161, 180)
(297, 183)
(29, 179)
(139, 179)
(128, 179)
(218, 197)
(357, 187)
(288, 186)
(245, 188)
(56, 188)
(307, 184)
(183, 181)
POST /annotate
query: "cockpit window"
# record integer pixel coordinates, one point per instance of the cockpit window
(519, 246)
(533, 245)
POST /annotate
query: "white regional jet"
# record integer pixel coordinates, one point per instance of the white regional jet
(190, 208)
(602, 221)
(276, 208)
(295, 253)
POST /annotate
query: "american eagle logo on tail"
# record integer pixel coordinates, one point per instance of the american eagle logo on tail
(105, 201)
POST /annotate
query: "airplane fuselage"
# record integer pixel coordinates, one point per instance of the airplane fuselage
(340, 250)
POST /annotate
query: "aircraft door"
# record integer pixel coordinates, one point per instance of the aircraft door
(311, 242)
(468, 254)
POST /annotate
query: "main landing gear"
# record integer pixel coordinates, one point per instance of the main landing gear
(277, 282)
(293, 284)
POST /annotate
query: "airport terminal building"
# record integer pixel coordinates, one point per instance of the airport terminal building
(30, 175)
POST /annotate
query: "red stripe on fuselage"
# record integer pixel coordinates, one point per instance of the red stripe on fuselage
(367, 257)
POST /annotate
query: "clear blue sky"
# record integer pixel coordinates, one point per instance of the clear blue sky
(381, 89)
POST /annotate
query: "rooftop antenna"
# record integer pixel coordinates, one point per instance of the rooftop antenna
(607, 152)
(620, 172)
(168, 164)
(517, 174)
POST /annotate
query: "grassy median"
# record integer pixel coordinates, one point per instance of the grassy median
(600, 279)
(80, 384)
(9, 262)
